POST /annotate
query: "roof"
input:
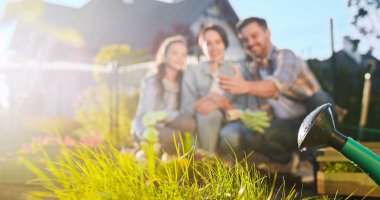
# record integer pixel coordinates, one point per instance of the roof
(102, 22)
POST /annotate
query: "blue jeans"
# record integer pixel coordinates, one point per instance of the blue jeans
(319, 98)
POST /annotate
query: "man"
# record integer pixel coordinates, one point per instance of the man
(284, 80)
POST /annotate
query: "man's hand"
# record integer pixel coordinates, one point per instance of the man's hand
(234, 84)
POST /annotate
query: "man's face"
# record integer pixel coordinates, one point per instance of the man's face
(256, 40)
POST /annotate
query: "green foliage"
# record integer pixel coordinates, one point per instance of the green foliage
(105, 173)
(26, 10)
(334, 167)
(95, 112)
(115, 52)
(366, 17)
(121, 53)
(30, 12)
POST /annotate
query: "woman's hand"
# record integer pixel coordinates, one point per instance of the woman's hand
(205, 105)
(212, 102)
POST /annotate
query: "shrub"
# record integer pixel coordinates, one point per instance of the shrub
(96, 114)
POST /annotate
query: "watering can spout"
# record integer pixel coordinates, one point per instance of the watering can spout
(318, 130)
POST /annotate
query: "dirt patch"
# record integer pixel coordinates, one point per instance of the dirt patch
(16, 191)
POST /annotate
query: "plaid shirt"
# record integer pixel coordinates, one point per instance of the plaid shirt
(292, 77)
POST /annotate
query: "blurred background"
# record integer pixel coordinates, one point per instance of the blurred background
(71, 68)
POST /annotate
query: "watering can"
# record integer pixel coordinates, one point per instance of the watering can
(318, 131)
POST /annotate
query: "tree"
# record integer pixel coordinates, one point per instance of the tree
(31, 11)
(121, 53)
(93, 113)
(367, 18)
(116, 52)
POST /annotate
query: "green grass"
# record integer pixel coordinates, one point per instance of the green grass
(105, 173)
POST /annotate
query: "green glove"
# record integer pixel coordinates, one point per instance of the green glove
(153, 117)
(151, 134)
(256, 121)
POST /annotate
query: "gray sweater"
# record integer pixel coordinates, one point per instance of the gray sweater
(197, 82)
(151, 100)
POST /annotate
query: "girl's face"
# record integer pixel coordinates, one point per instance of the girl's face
(176, 56)
(213, 46)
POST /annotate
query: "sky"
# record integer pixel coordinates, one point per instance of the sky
(300, 25)
(303, 25)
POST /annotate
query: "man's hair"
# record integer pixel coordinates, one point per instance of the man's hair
(260, 21)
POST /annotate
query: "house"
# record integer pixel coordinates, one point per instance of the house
(77, 34)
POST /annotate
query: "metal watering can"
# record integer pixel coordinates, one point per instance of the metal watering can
(318, 130)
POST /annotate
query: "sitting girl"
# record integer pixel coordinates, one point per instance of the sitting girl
(160, 93)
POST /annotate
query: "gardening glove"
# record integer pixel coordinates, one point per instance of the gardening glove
(151, 134)
(256, 121)
(233, 114)
(150, 144)
(153, 117)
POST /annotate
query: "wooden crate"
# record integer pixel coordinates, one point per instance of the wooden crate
(345, 183)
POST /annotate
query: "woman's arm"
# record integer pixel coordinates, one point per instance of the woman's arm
(148, 101)
(189, 94)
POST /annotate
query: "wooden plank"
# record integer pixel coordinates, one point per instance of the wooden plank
(331, 155)
(357, 184)
(332, 158)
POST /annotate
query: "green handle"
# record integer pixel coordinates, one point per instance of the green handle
(368, 161)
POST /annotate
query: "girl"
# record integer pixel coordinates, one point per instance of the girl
(160, 96)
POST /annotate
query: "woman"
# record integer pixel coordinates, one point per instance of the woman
(160, 96)
(201, 93)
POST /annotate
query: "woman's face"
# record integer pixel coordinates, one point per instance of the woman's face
(176, 56)
(213, 46)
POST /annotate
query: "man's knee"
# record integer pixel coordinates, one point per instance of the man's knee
(319, 99)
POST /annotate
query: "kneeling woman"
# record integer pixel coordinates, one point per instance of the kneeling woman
(159, 96)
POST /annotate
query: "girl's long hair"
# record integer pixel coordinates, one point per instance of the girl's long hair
(161, 65)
